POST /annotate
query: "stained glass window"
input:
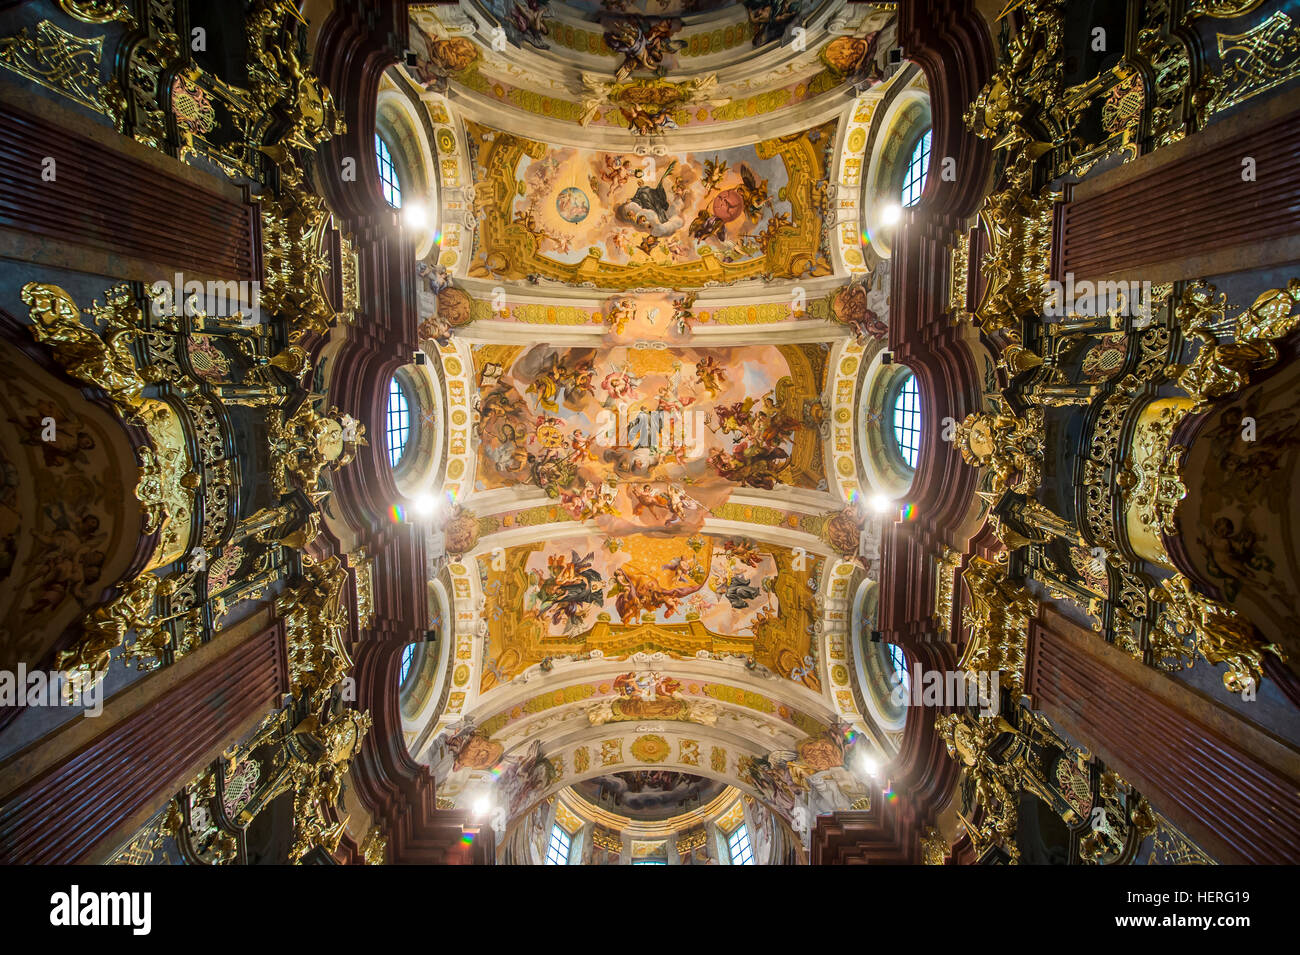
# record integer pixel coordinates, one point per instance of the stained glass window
(408, 658)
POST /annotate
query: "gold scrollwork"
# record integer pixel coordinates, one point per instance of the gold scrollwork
(307, 442)
(1220, 9)
(998, 618)
(98, 11)
(1121, 820)
(1169, 846)
(945, 575)
(101, 360)
(1254, 62)
(970, 741)
(1009, 446)
(1218, 633)
(934, 847)
(63, 63)
(315, 627)
(105, 359)
(1222, 369)
(375, 846)
(1152, 478)
(317, 780)
(605, 839)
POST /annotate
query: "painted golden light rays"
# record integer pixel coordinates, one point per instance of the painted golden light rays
(646, 439)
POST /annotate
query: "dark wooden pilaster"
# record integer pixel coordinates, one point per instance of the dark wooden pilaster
(949, 41)
(359, 40)
(399, 791)
(115, 207)
(1185, 212)
(872, 837)
(1231, 786)
(919, 781)
(78, 796)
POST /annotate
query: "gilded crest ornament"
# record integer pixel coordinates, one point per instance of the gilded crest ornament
(1222, 369)
(998, 618)
(1010, 447)
(307, 442)
(1216, 632)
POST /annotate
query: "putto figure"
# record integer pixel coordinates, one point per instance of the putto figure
(643, 41)
(526, 22)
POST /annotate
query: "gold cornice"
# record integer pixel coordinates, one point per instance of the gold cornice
(633, 829)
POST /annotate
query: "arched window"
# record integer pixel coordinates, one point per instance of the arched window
(917, 167)
(900, 666)
(738, 846)
(408, 658)
(399, 422)
(907, 421)
(388, 180)
(557, 849)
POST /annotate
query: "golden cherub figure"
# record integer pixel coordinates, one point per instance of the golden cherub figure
(1006, 444)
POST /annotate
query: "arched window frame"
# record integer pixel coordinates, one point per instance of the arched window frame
(899, 662)
(918, 168)
(408, 663)
(390, 181)
(397, 422)
(739, 846)
(559, 846)
(904, 406)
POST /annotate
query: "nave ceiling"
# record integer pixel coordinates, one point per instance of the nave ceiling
(659, 344)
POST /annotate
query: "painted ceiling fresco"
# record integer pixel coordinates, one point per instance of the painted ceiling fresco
(650, 793)
(664, 579)
(673, 594)
(642, 438)
(608, 458)
(662, 8)
(618, 220)
(646, 83)
(639, 695)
